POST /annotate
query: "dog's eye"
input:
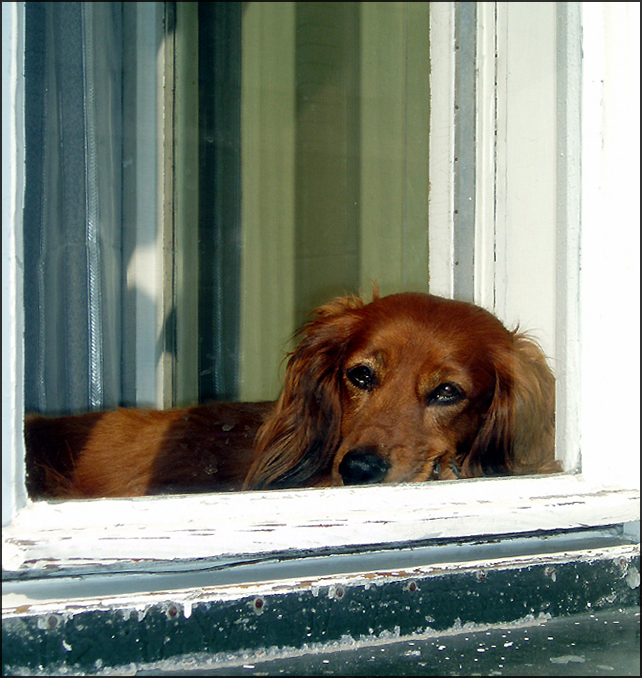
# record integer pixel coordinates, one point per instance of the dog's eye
(362, 377)
(445, 394)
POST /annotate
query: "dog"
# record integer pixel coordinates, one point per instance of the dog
(131, 452)
(410, 387)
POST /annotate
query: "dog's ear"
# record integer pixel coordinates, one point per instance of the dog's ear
(518, 432)
(294, 447)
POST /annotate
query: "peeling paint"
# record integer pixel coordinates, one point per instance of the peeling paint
(112, 532)
(633, 578)
(567, 659)
(381, 606)
(453, 650)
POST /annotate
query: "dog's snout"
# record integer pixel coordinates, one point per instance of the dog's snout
(363, 466)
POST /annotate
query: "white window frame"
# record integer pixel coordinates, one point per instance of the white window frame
(156, 532)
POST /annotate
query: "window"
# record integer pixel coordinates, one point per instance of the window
(536, 113)
(228, 178)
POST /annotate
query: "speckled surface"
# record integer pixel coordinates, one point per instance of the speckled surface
(560, 614)
(605, 643)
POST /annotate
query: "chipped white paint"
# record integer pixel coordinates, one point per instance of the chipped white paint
(157, 530)
(184, 600)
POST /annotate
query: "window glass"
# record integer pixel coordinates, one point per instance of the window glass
(280, 157)
(201, 176)
(73, 206)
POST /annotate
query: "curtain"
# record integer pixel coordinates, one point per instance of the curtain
(72, 215)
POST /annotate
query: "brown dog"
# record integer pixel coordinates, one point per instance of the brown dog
(128, 452)
(409, 388)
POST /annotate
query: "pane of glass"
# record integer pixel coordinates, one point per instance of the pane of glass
(334, 135)
(73, 206)
(174, 243)
(292, 151)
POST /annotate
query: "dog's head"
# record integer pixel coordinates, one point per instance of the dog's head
(409, 388)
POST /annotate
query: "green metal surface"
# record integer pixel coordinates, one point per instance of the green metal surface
(300, 617)
(602, 644)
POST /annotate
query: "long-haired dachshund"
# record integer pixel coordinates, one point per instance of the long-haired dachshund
(408, 388)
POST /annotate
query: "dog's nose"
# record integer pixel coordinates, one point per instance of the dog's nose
(362, 466)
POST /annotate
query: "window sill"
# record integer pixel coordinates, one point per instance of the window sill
(160, 532)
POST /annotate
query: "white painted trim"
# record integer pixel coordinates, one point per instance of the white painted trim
(525, 169)
(441, 203)
(14, 603)
(13, 156)
(516, 163)
(163, 530)
(610, 242)
(486, 161)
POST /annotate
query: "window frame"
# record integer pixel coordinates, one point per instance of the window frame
(97, 536)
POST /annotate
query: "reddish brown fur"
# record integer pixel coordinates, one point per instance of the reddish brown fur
(503, 424)
(495, 414)
(128, 452)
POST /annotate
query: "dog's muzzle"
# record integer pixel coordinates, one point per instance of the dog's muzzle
(363, 466)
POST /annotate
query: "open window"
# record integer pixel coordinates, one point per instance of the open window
(271, 155)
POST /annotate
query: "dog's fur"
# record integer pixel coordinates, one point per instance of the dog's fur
(129, 452)
(409, 388)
